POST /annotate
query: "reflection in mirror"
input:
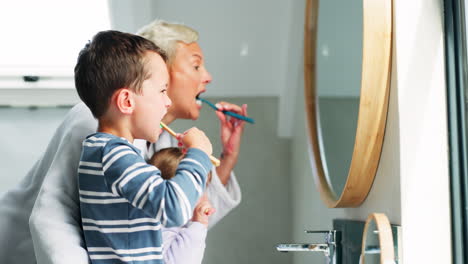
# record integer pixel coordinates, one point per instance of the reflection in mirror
(377, 241)
(372, 246)
(339, 63)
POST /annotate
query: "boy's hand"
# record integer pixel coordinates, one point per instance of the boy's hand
(203, 210)
(195, 138)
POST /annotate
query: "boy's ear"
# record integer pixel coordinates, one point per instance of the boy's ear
(125, 101)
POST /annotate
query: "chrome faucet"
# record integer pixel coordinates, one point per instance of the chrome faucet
(328, 248)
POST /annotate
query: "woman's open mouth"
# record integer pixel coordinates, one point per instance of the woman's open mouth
(197, 99)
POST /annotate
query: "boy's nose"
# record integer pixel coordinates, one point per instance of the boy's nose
(168, 101)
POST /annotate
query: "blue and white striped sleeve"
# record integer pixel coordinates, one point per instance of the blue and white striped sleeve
(170, 201)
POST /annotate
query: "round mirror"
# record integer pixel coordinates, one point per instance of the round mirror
(347, 71)
(377, 241)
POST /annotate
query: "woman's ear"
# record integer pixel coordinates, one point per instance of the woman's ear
(125, 101)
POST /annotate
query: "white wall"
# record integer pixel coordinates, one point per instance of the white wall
(412, 182)
(424, 175)
(244, 42)
(24, 135)
(129, 16)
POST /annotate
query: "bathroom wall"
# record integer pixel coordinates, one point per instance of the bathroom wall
(412, 182)
(244, 42)
(24, 135)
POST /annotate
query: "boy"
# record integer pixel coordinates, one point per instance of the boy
(123, 79)
(183, 245)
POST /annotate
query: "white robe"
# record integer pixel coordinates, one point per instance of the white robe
(48, 198)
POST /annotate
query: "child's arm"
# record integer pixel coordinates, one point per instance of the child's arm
(169, 201)
(203, 210)
(187, 244)
(184, 245)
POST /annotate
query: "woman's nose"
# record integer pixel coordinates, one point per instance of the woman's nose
(207, 78)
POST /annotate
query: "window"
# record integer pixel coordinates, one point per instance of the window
(40, 43)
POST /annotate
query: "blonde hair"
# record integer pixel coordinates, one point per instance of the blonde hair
(166, 36)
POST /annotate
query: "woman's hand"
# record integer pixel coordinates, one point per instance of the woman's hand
(231, 136)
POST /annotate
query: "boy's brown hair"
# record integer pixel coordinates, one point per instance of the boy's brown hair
(167, 160)
(112, 60)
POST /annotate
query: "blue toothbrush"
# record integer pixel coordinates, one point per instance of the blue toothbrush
(229, 113)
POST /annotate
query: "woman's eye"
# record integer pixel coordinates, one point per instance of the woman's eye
(197, 67)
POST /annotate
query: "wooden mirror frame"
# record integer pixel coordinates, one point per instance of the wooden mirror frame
(387, 253)
(373, 105)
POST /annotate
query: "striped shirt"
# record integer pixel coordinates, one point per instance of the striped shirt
(124, 200)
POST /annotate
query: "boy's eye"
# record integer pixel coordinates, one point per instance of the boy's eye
(197, 67)
(164, 91)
